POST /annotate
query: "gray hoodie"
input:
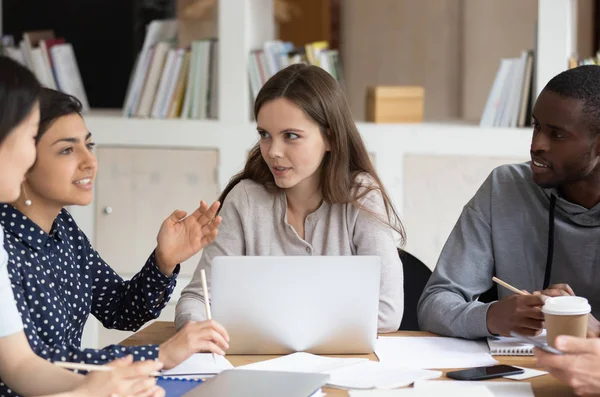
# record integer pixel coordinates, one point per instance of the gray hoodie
(505, 231)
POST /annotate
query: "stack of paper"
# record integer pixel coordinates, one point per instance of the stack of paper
(479, 391)
(498, 389)
(199, 365)
(374, 375)
(302, 362)
(453, 389)
(432, 352)
(346, 373)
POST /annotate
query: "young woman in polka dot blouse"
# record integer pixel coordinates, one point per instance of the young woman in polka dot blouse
(19, 365)
(58, 278)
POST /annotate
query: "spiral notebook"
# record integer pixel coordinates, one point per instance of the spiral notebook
(508, 346)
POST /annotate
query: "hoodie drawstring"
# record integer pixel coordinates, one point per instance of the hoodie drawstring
(550, 254)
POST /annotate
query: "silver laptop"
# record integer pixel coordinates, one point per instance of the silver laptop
(240, 383)
(285, 304)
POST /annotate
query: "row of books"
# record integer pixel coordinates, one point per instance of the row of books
(51, 59)
(180, 83)
(574, 61)
(276, 55)
(511, 97)
(172, 82)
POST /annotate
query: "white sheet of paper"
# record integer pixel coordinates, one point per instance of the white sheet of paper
(374, 375)
(498, 389)
(432, 352)
(529, 373)
(346, 373)
(476, 391)
(318, 393)
(302, 362)
(199, 364)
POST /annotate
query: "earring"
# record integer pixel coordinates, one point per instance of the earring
(27, 201)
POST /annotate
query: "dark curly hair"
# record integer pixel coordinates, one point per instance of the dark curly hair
(53, 105)
(581, 83)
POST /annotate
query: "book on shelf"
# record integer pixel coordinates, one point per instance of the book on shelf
(68, 78)
(51, 59)
(157, 62)
(276, 55)
(574, 61)
(169, 81)
(509, 101)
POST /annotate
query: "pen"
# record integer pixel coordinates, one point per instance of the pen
(91, 367)
(206, 301)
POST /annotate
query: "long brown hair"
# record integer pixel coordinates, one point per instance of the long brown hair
(313, 90)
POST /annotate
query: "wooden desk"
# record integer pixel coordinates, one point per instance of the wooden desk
(543, 386)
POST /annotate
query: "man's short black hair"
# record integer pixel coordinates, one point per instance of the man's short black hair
(582, 83)
(53, 105)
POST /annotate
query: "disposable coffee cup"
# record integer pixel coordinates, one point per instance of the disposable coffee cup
(566, 315)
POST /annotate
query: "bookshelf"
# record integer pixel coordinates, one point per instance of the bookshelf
(244, 25)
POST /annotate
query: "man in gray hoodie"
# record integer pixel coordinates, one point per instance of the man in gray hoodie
(534, 225)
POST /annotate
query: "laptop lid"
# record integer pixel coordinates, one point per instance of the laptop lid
(284, 304)
(240, 383)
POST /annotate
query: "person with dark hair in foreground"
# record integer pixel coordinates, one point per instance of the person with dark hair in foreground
(534, 225)
(58, 279)
(19, 365)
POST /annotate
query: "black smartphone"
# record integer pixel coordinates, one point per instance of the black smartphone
(543, 346)
(481, 373)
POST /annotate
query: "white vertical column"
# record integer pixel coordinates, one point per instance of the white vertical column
(556, 38)
(244, 25)
(261, 23)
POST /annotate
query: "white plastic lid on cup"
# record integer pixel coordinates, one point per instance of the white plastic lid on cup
(566, 306)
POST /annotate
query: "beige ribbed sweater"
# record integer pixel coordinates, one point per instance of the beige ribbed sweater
(255, 223)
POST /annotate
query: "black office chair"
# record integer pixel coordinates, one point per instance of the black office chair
(416, 275)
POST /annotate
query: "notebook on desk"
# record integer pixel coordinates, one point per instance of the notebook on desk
(509, 346)
(177, 387)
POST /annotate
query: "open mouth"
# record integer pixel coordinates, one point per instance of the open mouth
(280, 171)
(540, 164)
(85, 183)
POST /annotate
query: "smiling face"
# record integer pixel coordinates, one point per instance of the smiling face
(291, 144)
(65, 167)
(564, 149)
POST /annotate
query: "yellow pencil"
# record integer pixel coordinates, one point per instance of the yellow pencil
(508, 286)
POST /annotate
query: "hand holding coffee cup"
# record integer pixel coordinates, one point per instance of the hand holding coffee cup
(566, 315)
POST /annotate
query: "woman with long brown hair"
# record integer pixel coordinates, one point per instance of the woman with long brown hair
(308, 188)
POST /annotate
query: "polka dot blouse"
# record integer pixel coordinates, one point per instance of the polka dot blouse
(58, 279)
